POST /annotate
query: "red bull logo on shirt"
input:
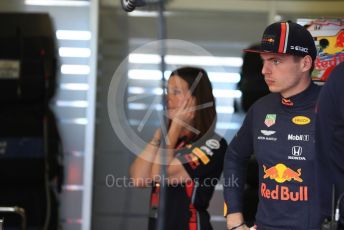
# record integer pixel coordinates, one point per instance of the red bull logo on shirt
(281, 173)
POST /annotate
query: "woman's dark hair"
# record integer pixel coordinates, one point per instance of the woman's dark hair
(202, 90)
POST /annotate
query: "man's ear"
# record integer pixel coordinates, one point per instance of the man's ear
(307, 62)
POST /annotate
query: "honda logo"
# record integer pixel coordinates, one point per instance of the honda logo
(296, 151)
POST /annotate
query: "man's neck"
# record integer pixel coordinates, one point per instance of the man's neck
(302, 86)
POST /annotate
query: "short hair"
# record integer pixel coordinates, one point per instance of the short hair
(298, 58)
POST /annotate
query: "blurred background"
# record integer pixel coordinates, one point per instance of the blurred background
(94, 39)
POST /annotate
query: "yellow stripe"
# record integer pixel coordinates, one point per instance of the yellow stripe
(225, 209)
(201, 155)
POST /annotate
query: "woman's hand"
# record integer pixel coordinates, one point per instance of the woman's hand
(157, 136)
(185, 114)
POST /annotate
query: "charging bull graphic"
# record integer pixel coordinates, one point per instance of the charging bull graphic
(281, 173)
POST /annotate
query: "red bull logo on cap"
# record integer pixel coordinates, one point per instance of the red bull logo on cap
(281, 173)
(268, 39)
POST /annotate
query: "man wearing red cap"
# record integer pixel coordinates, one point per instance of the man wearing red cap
(279, 129)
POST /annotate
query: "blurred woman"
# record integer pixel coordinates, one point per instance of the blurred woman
(194, 153)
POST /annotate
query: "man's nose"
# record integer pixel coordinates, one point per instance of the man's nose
(265, 69)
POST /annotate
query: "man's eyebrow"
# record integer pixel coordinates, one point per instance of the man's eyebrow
(275, 57)
(268, 59)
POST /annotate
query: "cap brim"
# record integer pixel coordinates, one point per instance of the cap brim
(262, 52)
(257, 51)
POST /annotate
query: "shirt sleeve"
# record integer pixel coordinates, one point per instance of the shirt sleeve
(329, 136)
(203, 159)
(235, 166)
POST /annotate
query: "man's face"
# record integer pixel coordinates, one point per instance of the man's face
(284, 74)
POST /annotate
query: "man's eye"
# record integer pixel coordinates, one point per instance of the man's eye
(276, 61)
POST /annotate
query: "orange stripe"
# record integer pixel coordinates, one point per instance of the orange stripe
(201, 155)
(282, 38)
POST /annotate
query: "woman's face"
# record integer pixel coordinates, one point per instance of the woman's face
(177, 93)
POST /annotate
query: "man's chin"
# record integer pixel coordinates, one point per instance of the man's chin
(273, 89)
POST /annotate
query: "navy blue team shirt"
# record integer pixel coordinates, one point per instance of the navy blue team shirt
(330, 137)
(281, 134)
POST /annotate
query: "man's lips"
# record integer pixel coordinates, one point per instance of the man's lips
(269, 81)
